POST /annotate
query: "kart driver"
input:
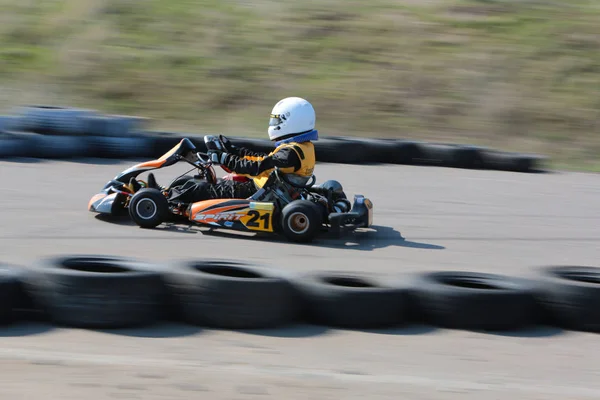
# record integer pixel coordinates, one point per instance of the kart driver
(291, 127)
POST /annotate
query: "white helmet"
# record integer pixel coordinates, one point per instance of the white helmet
(291, 116)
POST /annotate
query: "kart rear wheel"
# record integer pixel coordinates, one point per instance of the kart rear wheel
(301, 220)
(149, 208)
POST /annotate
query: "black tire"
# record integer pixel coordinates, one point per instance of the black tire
(369, 150)
(301, 220)
(405, 152)
(339, 150)
(474, 301)
(449, 155)
(96, 291)
(115, 125)
(570, 296)
(10, 291)
(53, 120)
(231, 295)
(119, 147)
(161, 142)
(351, 300)
(376, 150)
(54, 146)
(149, 208)
(13, 146)
(7, 123)
(509, 161)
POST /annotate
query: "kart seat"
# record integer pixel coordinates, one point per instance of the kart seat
(297, 181)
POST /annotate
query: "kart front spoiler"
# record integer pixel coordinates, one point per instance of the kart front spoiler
(109, 200)
(360, 216)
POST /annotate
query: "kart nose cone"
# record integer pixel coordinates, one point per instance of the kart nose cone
(94, 201)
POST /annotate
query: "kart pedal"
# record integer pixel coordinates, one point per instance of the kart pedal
(152, 181)
(134, 184)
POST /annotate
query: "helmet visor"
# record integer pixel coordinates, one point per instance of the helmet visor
(276, 119)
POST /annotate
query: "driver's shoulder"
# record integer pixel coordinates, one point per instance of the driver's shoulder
(298, 146)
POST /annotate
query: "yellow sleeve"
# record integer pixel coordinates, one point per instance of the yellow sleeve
(253, 158)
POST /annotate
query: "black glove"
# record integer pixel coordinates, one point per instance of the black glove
(218, 156)
(229, 147)
(213, 141)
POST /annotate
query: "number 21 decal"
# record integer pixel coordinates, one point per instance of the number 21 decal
(255, 217)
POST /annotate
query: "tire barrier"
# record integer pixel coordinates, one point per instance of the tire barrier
(571, 296)
(52, 120)
(231, 295)
(449, 155)
(36, 145)
(108, 292)
(161, 142)
(510, 161)
(112, 147)
(114, 125)
(115, 136)
(96, 292)
(11, 280)
(7, 123)
(345, 300)
(12, 145)
(466, 300)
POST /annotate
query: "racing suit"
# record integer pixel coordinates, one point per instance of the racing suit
(291, 157)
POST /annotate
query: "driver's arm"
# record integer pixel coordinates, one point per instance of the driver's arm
(241, 151)
(284, 158)
(249, 154)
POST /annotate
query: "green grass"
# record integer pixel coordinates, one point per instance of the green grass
(510, 74)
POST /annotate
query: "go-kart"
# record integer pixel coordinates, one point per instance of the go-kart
(286, 204)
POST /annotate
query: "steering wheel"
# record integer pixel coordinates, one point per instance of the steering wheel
(203, 158)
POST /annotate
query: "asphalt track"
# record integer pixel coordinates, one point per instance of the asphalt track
(426, 219)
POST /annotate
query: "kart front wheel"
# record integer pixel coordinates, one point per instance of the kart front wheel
(301, 220)
(148, 208)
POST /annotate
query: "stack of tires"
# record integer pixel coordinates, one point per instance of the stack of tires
(52, 132)
(112, 292)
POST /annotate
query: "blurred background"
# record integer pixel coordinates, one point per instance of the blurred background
(520, 75)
